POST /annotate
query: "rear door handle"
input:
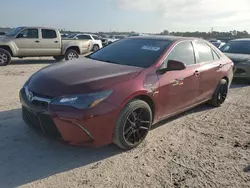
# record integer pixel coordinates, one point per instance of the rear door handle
(37, 41)
(55, 41)
(220, 66)
(196, 73)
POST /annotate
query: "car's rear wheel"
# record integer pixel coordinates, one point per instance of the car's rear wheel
(220, 94)
(59, 57)
(133, 124)
(71, 54)
(5, 57)
(95, 47)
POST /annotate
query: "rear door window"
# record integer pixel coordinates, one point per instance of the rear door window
(48, 34)
(204, 52)
(215, 55)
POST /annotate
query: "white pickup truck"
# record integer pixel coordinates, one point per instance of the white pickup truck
(39, 41)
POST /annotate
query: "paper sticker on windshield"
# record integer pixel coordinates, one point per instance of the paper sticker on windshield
(151, 48)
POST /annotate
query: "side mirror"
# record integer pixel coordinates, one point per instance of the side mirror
(20, 35)
(172, 65)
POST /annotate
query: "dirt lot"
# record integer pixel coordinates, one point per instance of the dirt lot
(205, 147)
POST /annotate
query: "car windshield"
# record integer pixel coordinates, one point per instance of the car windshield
(132, 52)
(239, 47)
(71, 36)
(14, 31)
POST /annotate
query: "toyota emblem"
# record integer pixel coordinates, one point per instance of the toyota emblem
(30, 96)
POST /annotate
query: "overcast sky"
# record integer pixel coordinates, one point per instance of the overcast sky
(128, 15)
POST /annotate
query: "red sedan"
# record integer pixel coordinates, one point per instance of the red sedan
(115, 94)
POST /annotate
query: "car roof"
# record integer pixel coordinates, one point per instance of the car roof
(86, 34)
(243, 39)
(169, 38)
(38, 27)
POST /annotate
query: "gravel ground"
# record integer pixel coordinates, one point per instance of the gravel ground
(204, 147)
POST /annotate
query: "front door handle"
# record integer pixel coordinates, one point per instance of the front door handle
(37, 41)
(55, 41)
(196, 73)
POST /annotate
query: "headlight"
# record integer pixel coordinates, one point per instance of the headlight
(82, 101)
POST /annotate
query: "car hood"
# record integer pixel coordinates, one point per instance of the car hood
(5, 38)
(238, 58)
(79, 76)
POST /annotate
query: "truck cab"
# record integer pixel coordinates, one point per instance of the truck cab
(39, 41)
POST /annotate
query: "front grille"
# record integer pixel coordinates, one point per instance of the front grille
(30, 118)
(41, 104)
(35, 104)
(41, 122)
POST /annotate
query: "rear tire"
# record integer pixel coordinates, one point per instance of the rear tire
(133, 124)
(220, 94)
(71, 54)
(5, 57)
(59, 57)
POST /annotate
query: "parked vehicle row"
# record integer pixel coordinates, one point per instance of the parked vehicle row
(115, 94)
(40, 41)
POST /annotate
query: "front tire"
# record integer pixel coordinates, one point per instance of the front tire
(59, 57)
(71, 54)
(220, 94)
(5, 57)
(133, 124)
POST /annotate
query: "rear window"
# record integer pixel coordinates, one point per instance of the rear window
(48, 34)
(132, 52)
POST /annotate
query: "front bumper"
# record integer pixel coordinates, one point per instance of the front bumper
(242, 71)
(92, 127)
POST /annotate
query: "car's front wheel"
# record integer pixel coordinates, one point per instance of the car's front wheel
(5, 57)
(220, 94)
(71, 54)
(133, 124)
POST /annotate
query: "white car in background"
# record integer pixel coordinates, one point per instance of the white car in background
(217, 43)
(95, 41)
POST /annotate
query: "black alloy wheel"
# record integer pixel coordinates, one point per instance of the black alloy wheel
(136, 126)
(133, 124)
(220, 94)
